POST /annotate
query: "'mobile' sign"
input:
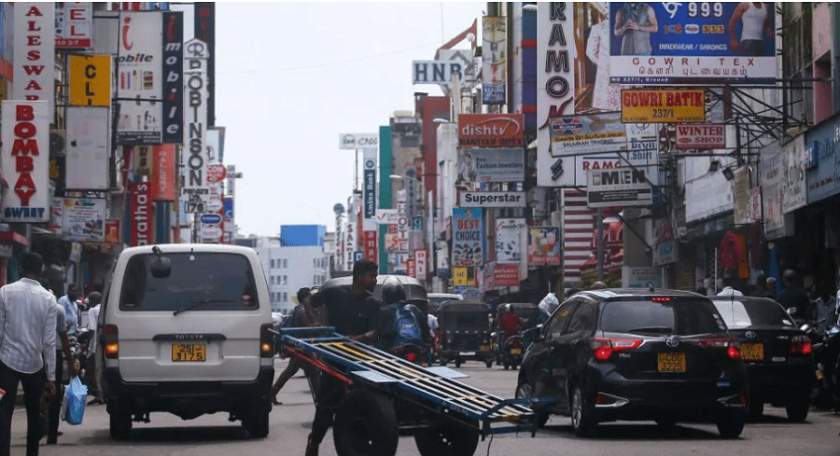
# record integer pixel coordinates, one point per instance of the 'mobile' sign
(492, 199)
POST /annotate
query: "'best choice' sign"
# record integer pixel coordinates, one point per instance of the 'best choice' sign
(492, 199)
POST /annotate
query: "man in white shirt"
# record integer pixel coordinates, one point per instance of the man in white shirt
(27, 351)
(71, 309)
(727, 288)
(90, 367)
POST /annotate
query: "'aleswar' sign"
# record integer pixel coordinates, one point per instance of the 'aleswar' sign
(34, 53)
(25, 161)
(663, 42)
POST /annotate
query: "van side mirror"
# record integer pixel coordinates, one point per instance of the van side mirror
(161, 266)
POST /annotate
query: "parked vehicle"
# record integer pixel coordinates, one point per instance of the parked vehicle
(415, 292)
(464, 333)
(637, 354)
(826, 351)
(776, 353)
(186, 329)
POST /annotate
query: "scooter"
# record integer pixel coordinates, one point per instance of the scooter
(412, 353)
(826, 353)
(512, 352)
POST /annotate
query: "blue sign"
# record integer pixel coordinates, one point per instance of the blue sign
(662, 42)
(211, 219)
(358, 255)
(228, 209)
(824, 179)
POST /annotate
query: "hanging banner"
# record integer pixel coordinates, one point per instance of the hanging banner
(141, 214)
(163, 173)
(204, 27)
(84, 219)
(544, 246)
(34, 54)
(173, 74)
(25, 160)
(493, 59)
(663, 105)
(73, 24)
(88, 146)
(663, 42)
(511, 239)
(195, 191)
(90, 80)
(467, 237)
(140, 77)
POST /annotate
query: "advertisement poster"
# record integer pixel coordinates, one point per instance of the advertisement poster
(34, 54)
(544, 246)
(511, 239)
(506, 275)
(493, 59)
(84, 219)
(467, 237)
(112, 232)
(90, 80)
(772, 172)
(88, 147)
(664, 42)
(24, 163)
(491, 165)
(641, 277)
(140, 76)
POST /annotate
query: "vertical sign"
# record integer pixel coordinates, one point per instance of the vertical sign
(195, 190)
(112, 231)
(90, 80)
(369, 188)
(34, 54)
(467, 237)
(73, 24)
(25, 161)
(163, 173)
(173, 71)
(140, 73)
(88, 147)
(493, 59)
(370, 245)
(411, 268)
(205, 30)
(141, 214)
(421, 263)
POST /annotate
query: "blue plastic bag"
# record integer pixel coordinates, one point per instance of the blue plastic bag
(74, 402)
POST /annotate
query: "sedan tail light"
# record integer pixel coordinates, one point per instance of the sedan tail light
(604, 348)
(730, 344)
(800, 345)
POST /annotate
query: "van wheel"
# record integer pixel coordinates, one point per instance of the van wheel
(365, 425)
(457, 362)
(120, 425)
(446, 439)
(257, 424)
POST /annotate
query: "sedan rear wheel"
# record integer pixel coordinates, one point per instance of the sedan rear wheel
(583, 414)
(524, 390)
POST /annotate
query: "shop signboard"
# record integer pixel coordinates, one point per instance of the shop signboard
(173, 77)
(544, 246)
(140, 76)
(84, 219)
(370, 244)
(25, 160)
(663, 105)
(195, 189)
(461, 276)
(492, 199)
(467, 237)
(90, 80)
(824, 144)
(34, 54)
(511, 240)
(73, 24)
(112, 231)
(742, 196)
(506, 275)
(354, 141)
(141, 225)
(491, 165)
(491, 130)
(618, 187)
(437, 71)
(794, 185)
(369, 208)
(88, 147)
(493, 59)
(772, 173)
(421, 263)
(641, 277)
(693, 41)
(700, 136)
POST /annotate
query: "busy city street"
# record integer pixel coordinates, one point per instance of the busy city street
(213, 435)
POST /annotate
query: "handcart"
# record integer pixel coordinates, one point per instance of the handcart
(388, 396)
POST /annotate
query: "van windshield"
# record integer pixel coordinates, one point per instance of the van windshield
(204, 281)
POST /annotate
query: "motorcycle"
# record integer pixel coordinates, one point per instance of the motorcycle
(512, 351)
(412, 353)
(826, 353)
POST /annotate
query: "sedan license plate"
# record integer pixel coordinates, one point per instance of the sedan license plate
(671, 362)
(189, 353)
(752, 352)
(515, 351)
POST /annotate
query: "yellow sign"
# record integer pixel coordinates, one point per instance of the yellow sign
(461, 277)
(663, 106)
(90, 80)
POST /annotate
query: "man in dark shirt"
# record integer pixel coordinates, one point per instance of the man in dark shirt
(354, 314)
(793, 296)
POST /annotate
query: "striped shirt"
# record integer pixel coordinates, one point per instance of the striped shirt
(28, 327)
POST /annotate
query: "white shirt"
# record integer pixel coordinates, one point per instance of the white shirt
(28, 327)
(71, 311)
(729, 291)
(93, 316)
(433, 324)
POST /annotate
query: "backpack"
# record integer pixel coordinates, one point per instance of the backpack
(405, 326)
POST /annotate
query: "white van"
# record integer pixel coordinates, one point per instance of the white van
(186, 329)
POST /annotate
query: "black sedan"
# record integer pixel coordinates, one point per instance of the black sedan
(776, 353)
(661, 355)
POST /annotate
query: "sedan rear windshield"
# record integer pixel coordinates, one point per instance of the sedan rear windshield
(201, 281)
(741, 314)
(680, 317)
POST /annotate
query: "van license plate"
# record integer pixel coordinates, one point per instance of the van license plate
(671, 362)
(189, 353)
(752, 352)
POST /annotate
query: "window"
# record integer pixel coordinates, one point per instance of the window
(681, 317)
(272, 264)
(738, 314)
(583, 321)
(272, 280)
(285, 296)
(285, 263)
(285, 280)
(559, 319)
(211, 281)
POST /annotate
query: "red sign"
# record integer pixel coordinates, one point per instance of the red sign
(421, 263)
(141, 214)
(701, 136)
(412, 270)
(491, 130)
(506, 275)
(370, 246)
(163, 173)
(216, 173)
(112, 232)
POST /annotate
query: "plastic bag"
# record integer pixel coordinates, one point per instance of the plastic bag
(74, 402)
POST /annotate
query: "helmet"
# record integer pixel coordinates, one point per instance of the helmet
(392, 292)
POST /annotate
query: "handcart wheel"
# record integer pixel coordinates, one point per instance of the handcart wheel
(457, 362)
(447, 439)
(365, 425)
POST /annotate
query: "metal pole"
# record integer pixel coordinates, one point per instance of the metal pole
(600, 243)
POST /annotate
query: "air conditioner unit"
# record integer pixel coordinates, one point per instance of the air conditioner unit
(58, 140)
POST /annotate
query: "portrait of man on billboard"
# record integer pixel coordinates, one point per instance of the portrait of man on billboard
(755, 23)
(634, 23)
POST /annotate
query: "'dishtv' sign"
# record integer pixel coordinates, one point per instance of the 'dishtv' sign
(25, 161)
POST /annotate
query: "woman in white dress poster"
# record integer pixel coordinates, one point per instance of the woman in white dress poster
(605, 96)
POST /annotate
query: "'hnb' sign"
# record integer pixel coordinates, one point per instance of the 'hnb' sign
(436, 71)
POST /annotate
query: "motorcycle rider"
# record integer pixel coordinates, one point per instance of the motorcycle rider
(394, 296)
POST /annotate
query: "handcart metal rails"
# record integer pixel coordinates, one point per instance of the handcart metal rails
(434, 389)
